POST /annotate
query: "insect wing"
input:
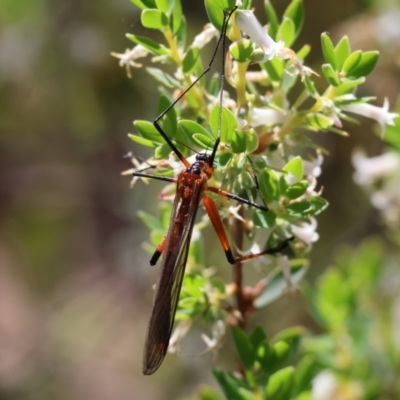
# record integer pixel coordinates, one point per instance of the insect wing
(170, 281)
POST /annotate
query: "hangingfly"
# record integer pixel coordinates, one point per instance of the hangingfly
(191, 188)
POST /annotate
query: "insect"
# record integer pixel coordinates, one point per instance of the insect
(191, 191)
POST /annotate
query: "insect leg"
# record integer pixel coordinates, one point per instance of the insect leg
(207, 69)
(215, 219)
(160, 248)
(237, 198)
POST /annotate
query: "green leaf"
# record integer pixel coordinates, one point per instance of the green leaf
(243, 347)
(307, 208)
(268, 181)
(226, 5)
(280, 355)
(263, 355)
(275, 69)
(295, 11)
(277, 284)
(309, 84)
(204, 141)
(257, 337)
(342, 51)
(348, 85)
(190, 59)
(228, 123)
(208, 393)
(351, 62)
(287, 31)
(154, 19)
(142, 141)
(152, 223)
(365, 66)
(215, 13)
(162, 77)
(224, 158)
(319, 121)
(241, 50)
(295, 166)
(176, 17)
(148, 131)
(264, 219)
(229, 385)
(164, 5)
(296, 190)
(303, 52)
(280, 384)
(328, 50)
(142, 4)
(330, 75)
(191, 127)
(162, 151)
(180, 32)
(149, 44)
(169, 121)
(251, 141)
(238, 143)
(273, 22)
(306, 371)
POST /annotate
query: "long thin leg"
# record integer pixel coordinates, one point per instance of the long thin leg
(238, 198)
(215, 219)
(207, 69)
(157, 177)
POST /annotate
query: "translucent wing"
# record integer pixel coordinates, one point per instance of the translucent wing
(170, 281)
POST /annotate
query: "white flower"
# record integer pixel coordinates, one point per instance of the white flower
(248, 23)
(312, 169)
(206, 36)
(128, 58)
(265, 116)
(217, 334)
(177, 165)
(306, 232)
(368, 170)
(380, 114)
(284, 264)
(179, 333)
(324, 386)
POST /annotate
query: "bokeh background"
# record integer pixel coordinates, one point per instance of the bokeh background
(75, 284)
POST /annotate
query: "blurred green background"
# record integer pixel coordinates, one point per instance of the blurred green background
(75, 284)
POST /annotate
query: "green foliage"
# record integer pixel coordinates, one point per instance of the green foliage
(263, 139)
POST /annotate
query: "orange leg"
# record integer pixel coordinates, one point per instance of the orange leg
(160, 248)
(219, 228)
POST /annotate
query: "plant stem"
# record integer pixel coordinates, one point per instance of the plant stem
(237, 272)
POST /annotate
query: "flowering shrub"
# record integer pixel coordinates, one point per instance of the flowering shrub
(265, 155)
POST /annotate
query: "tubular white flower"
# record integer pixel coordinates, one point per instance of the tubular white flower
(324, 386)
(179, 333)
(306, 232)
(206, 36)
(380, 114)
(248, 23)
(218, 332)
(284, 264)
(312, 169)
(265, 116)
(368, 170)
(128, 58)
